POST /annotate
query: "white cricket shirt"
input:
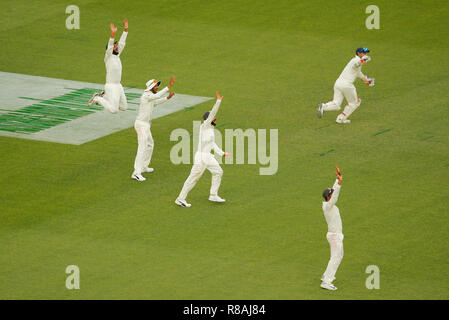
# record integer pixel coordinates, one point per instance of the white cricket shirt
(331, 212)
(352, 71)
(147, 102)
(112, 61)
(206, 141)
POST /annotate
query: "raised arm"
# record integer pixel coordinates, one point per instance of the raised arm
(110, 46)
(122, 41)
(214, 110)
(335, 195)
(162, 100)
(150, 96)
(337, 185)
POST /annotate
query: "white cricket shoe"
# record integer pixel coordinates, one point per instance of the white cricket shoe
(343, 121)
(216, 199)
(147, 169)
(320, 110)
(138, 177)
(91, 101)
(182, 203)
(328, 286)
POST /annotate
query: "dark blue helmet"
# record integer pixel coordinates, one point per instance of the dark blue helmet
(361, 50)
(327, 192)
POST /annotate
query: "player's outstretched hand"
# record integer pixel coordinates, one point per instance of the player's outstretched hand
(218, 96)
(170, 95)
(113, 29)
(338, 171)
(172, 80)
(125, 22)
(339, 175)
(226, 154)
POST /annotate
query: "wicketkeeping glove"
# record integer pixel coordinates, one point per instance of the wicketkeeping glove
(365, 59)
(369, 81)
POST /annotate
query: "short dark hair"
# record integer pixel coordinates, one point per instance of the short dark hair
(206, 115)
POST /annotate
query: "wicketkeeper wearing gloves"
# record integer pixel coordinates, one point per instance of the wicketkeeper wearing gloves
(149, 99)
(344, 87)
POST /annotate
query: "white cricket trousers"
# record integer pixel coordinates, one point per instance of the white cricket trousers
(343, 90)
(145, 146)
(114, 98)
(202, 162)
(336, 244)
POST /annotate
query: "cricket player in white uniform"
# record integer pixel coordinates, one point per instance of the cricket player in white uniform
(149, 99)
(334, 233)
(113, 97)
(204, 159)
(344, 87)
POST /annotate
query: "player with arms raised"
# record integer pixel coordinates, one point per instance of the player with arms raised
(334, 233)
(113, 97)
(149, 99)
(204, 159)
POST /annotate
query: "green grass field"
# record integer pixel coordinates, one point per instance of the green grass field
(273, 61)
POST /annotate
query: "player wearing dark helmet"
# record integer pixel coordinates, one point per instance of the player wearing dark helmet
(334, 231)
(344, 87)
